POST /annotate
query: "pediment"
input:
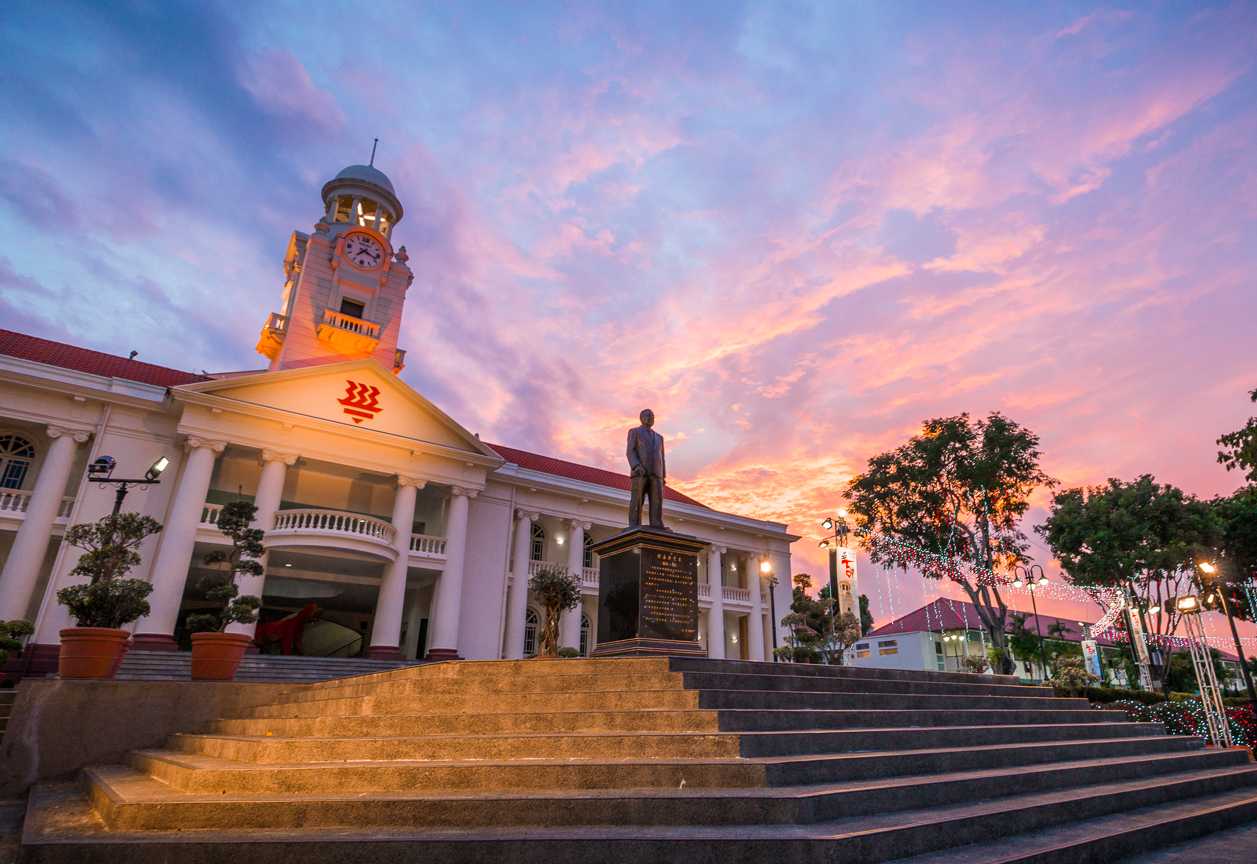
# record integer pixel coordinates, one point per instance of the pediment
(355, 394)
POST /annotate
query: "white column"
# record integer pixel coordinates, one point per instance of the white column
(517, 597)
(783, 593)
(569, 621)
(178, 538)
(390, 603)
(755, 625)
(269, 493)
(26, 557)
(449, 595)
(716, 614)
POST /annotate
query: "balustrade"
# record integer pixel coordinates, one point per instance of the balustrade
(349, 323)
(333, 522)
(739, 595)
(427, 544)
(15, 501)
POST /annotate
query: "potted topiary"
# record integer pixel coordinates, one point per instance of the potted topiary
(558, 591)
(108, 601)
(216, 654)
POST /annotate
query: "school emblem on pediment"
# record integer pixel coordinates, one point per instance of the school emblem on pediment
(361, 401)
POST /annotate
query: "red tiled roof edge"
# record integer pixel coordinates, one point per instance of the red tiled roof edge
(584, 473)
(65, 356)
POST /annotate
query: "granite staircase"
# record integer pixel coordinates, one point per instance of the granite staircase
(651, 760)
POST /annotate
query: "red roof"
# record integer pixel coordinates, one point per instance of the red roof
(92, 362)
(112, 366)
(584, 473)
(960, 614)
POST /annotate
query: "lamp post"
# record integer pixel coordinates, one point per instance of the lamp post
(1206, 679)
(101, 471)
(1210, 572)
(1026, 576)
(766, 568)
(837, 538)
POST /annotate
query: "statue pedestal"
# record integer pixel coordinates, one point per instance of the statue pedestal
(648, 594)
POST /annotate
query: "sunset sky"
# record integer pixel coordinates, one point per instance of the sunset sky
(794, 230)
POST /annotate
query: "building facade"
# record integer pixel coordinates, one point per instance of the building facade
(389, 528)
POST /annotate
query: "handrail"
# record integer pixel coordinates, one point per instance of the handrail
(342, 321)
(738, 594)
(427, 544)
(18, 500)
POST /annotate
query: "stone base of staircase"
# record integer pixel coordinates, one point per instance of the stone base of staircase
(650, 760)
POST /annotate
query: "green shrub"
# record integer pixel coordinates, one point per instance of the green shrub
(111, 544)
(567, 652)
(112, 603)
(1070, 675)
(220, 588)
(11, 635)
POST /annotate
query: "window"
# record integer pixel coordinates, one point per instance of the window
(587, 559)
(890, 646)
(538, 551)
(862, 649)
(352, 307)
(530, 632)
(16, 456)
(344, 206)
(385, 219)
(366, 212)
(938, 647)
(584, 635)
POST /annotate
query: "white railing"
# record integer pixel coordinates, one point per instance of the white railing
(742, 595)
(277, 322)
(209, 514)
(341, 321)
(535, 566)
(333, 522)
(589, 577)
(704, 590)
(426, 544)
(15, 501)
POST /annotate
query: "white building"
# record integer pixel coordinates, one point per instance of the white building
(384, 512)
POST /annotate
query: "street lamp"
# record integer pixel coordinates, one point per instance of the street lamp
(1210, 570)
(101, 471)
(1211, 702)
(1026, 576)
(766, 568)
(837, 538)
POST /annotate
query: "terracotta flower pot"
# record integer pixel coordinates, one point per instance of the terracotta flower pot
(91, 652)
(215, 656)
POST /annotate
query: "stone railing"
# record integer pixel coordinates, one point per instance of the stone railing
(738, 595)
(277, 322)
(333, 523)
(704, 591)
(209, 514)
(427, 544)
(13, 502)
(349, 323)
(589, 577)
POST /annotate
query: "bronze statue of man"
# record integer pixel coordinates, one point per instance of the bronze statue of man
(646, 464)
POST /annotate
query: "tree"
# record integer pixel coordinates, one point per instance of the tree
(950, 502)
(11, 635)
(1236, 545)
(809, 624)
(234, 520)
(108, 599)
(1024, 644)
(866, 617)
(1239, 448)
(1139, 536)
(846, 634)
(558, 591)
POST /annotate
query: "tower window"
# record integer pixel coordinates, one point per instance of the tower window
(352, 307)
(385, 219)
(366, 212)
(344, 206)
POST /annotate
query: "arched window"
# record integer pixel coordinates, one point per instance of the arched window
(531, 620)
(16, 456)
(584, 635)
(538, 551)
(588, 555)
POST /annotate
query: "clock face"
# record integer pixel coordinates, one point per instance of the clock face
(364, 251)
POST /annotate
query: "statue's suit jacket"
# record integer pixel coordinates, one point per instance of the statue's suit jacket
(645, 449)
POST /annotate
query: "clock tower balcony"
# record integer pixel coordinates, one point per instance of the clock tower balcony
(346, 334)
(272, 336)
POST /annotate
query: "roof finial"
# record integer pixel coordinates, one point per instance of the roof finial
(374, 142)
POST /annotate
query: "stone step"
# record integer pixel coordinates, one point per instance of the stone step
(60, 828)
(486, 686)
(506, 702)
(749, 719)
(813, 683)
(177, 665)
(192, 771)
(703, 664)
(473, 724)
(128, 800)
(267, 748)
(777, 699)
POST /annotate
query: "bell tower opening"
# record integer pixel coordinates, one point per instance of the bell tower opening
(345, 285)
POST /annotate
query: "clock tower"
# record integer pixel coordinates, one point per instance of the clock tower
(344, 285)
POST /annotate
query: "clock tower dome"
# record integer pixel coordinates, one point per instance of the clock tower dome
(344, 284)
